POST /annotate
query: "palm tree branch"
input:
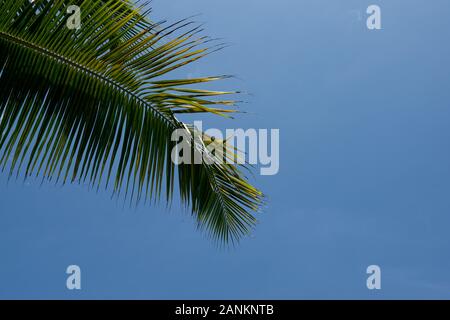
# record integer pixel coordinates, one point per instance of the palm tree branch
(87, 102)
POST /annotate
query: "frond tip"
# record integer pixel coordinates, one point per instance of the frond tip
(93, 105)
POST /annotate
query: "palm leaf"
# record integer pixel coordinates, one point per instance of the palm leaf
(92, 105)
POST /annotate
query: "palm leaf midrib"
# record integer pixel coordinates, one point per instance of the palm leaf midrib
(77, 66)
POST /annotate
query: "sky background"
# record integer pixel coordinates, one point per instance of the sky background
(364, 176)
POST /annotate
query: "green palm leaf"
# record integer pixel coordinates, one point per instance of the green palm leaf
(92, 105)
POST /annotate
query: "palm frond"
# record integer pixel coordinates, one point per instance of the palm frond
(92, 105)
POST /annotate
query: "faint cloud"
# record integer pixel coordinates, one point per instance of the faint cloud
(356, 14)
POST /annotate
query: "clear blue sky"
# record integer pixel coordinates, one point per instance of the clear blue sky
(365, 169)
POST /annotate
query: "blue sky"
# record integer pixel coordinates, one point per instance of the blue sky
(364, 176)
